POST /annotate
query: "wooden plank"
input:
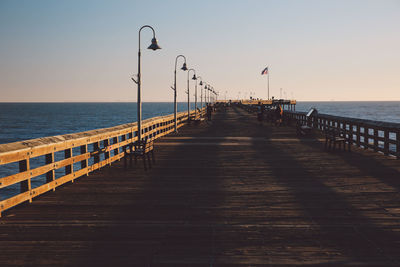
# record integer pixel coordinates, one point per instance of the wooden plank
(15, 200)
(25, 176)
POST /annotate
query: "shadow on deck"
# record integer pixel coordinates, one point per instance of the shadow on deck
(223, 193)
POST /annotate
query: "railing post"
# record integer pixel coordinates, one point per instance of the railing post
(106, 143)
(96, 147)
(366, 137)
(376, 146)
(50, 175)
(25, 185)
(386, 142)
(84, 163)
(358, 137)
(398, 144)
(123, 138)
(351, 130)
(69, 168)
(115, 141)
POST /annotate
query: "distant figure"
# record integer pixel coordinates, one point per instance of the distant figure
(209, 111)
(278, 115)
(260, 114)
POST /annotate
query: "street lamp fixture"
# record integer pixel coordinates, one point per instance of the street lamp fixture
(184, 67)
(154, 46)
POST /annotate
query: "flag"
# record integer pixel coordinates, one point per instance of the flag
(265, 71)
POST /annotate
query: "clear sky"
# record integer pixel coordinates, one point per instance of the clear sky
(81, 50)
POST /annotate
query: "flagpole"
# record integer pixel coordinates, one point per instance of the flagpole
(268, 83)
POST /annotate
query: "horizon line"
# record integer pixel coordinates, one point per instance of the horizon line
(5, 102)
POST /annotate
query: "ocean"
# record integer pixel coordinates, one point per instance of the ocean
(388, 111)
(23, 121)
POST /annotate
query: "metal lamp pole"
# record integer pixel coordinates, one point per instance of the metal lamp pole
(184, 67)
(214, 96)
(195, 94)
(205, 94)
(153, 46)
(188, 91)
(201, 91)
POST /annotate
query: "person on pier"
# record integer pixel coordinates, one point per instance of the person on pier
(260, 114)
(209, 111)
(278, 115)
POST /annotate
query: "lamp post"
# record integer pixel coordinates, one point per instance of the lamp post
(205, 94)
(184, 67)
(154, 46)
(195, 95)
(188, 91)
(201, 91)
(214, 95)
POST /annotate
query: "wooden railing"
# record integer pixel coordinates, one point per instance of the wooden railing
(81, 153)
(368, 134)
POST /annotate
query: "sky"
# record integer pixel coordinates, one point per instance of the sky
(86, 50)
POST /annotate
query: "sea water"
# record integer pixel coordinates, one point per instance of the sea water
(23, 121)
(388, 111)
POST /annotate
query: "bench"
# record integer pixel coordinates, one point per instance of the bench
(141, 148)
(198, 120)
(306, 129)
(336, 136)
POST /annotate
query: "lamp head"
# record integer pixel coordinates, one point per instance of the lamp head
(201, 83)
(184, 67)
(194, 77)
(154, 45)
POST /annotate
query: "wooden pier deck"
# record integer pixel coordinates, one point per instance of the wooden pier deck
(224, 193)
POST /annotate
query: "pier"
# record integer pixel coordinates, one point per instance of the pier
(225, 192)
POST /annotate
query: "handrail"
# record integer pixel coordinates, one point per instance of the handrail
(368, 134)
(110, 142)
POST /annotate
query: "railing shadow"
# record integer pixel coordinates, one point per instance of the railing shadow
(368, 164)
(342, 225)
